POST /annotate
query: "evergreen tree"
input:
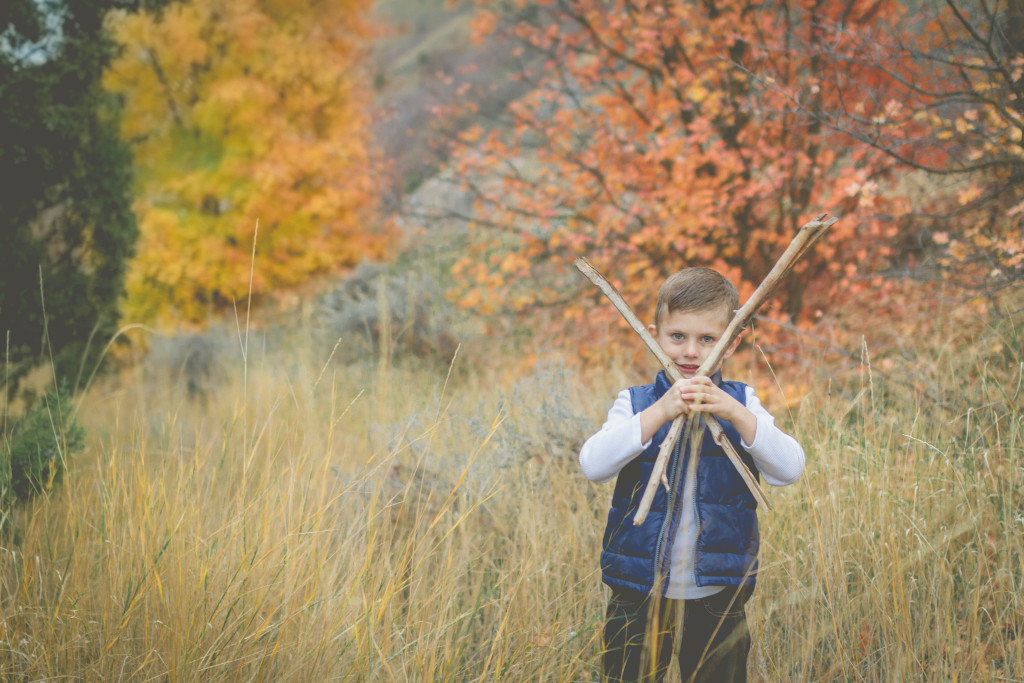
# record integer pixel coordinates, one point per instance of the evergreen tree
(66, 226)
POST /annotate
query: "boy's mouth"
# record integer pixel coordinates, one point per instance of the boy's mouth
(687, 368)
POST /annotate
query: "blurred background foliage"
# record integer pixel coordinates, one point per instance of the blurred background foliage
(177, 164)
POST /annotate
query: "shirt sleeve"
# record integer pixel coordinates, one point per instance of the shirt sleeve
(778, 456)
(605, 453)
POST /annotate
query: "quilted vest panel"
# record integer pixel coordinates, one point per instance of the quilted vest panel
(728, 538)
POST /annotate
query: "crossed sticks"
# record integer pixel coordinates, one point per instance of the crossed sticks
(801, 242)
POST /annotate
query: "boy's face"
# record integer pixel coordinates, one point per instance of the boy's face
(689, 336)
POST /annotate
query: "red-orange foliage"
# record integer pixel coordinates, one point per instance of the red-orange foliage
(948, 101)
(669, 134)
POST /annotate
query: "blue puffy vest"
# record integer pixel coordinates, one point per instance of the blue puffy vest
(632, 557)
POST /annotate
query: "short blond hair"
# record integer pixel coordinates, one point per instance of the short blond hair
(696, 289)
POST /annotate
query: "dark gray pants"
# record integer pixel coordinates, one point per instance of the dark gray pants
(712, 644)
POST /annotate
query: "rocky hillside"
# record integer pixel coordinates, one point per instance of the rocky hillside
(426, 61)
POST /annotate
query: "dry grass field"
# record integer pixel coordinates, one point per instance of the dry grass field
(399, 520)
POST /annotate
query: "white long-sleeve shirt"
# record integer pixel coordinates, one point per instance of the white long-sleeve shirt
(777, 455)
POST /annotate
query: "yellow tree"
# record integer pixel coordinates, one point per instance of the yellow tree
(244, 112)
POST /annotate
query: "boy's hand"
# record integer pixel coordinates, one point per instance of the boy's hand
(703, 396)
(667, 408)
(672, 404)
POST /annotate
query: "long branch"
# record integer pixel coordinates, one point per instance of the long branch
(801, 242)
(661, 462)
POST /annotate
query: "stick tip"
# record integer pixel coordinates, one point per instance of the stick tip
(825, 219)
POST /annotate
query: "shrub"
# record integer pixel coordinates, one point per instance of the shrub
(402, 312)
(37, 450)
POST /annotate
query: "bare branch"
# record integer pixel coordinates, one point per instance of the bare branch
(801, 242)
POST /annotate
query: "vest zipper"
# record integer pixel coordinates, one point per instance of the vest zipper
(696, 507)
(675, 470)
(660, 575)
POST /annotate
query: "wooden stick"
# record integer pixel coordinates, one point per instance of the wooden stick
(797, 247)
(665, 450)
(661, 463)
(592, 274)
(801, 242)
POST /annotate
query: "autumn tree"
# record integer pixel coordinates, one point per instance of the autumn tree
(664, 134)
(947, 104)
(244, 112)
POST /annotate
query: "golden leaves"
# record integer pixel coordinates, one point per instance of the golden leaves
(968, 195)
(242, 112)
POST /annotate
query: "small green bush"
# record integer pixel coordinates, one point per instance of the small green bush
(35, 454)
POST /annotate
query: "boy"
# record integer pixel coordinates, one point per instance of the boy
(696, 552)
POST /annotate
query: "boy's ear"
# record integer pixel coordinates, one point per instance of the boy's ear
(653, 329)
(732, 347)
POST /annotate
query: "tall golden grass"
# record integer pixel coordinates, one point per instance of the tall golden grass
(390, 520)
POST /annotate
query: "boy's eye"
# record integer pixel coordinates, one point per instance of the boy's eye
(707, 339)
(677, 336)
